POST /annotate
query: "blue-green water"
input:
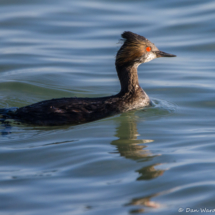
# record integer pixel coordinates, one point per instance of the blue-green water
(155, 160)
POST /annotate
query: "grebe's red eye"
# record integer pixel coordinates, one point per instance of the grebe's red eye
(148, 49)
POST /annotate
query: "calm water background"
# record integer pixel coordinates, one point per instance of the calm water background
(153, 161)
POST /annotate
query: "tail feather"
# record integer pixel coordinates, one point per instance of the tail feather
(3, 110)
(5, 113)
(7, 110)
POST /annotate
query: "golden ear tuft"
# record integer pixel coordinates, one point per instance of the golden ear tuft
(133, 48)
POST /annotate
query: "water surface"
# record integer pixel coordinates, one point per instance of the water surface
(155, 160)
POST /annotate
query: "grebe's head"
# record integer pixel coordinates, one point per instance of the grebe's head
(136, 50)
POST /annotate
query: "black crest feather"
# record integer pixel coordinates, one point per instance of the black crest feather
(128, 35)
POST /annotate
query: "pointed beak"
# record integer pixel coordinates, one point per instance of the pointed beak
(164, 54)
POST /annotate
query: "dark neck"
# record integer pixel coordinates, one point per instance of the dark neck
(128, 78)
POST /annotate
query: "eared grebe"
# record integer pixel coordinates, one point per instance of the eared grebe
(135, 50)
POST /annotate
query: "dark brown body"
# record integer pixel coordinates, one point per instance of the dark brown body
(77, 110)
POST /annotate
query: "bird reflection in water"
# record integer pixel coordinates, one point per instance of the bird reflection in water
(144, 202)
(129, 146)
